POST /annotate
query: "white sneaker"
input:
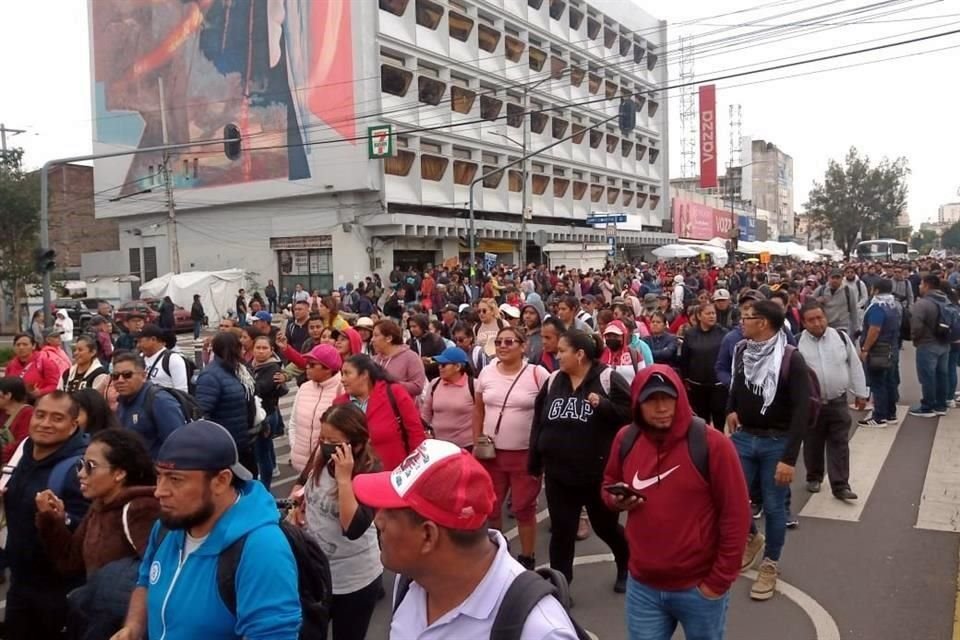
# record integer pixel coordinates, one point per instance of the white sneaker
(870, 422)
(951, 404)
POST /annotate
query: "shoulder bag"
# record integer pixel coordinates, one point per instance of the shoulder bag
(485, 448)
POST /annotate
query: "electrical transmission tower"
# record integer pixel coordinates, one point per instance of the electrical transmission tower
(736, 123)
(688, 110)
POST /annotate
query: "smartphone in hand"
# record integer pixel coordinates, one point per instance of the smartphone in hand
(622, 490)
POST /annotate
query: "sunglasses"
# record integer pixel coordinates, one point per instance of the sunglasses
(86, 466)
(126, 375)
(506, 342)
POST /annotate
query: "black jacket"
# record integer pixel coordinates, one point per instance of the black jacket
(28, 560)
(663, 347)
(196, 312)
(427, 346)
(699, 353)
(266, 389)
(570, 440)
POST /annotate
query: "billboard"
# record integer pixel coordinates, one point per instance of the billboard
(748, 227)
(708, 136)
(175, 71)
(693, 221)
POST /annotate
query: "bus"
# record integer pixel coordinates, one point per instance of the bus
(883, 249)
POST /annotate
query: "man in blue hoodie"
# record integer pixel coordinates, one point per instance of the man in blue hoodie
(208, 501)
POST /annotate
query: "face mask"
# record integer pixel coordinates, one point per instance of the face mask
(614, 343)
(327, 450)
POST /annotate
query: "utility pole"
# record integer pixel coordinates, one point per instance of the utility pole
(3, 138)
(523, 173)
(172, 242)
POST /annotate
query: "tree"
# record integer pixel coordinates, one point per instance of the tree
(924, 241)
(20, 221)
(859, 200)
(951, 237)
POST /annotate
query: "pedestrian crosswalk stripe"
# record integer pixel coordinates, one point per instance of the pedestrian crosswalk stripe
(869, 449)
(940, 501)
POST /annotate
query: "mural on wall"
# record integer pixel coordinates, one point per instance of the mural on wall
(179, 71)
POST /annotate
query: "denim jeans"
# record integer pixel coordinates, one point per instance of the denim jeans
(932, 360)
(197, 328)
(653, 614)
(759, 457)
(263, 447)
(883, 387)
(953, 361)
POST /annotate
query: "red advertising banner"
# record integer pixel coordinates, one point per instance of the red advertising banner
(722, 223)
(693, 221)
(708, 136)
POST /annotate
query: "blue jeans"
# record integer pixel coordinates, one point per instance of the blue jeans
(883, 387)
(953, 361)
(197, 328)
(932, 361)
(263, 448)
(653, 614)
(759, 457)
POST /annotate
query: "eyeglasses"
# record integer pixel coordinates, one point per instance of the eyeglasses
(750, 317)
(86, 466)
(126, 375)
(506, 342)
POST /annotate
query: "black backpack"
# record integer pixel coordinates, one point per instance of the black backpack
(689, 296)
(314, 583)
(190, 365)
(524, 593)
(188, 405)
(696, 445)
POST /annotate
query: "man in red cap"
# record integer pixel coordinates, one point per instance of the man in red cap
(432, 517)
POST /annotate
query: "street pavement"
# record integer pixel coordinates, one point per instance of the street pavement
(883, 568)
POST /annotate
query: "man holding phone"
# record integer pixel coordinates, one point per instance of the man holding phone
(683, 489)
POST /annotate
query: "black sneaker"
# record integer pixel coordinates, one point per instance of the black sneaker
(528, 562)
(792, 521)
(757, 509)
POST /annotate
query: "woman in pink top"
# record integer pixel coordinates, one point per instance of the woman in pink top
(448, 405)
(506, 392)
(403, 365)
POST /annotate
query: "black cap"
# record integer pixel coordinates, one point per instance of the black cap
(657, 383)
(202, 445)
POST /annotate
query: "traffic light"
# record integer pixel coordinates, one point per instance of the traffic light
(231, 141)
(628, 115)
(45, 260)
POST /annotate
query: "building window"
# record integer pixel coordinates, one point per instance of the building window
(652, 106)
(638, 51)
(576, 76)
(429, 147)
(488, 38)
(464, 172)
(579, 189)
(560, 186)
(651, 60)
(576, 17)
(133, 254)
(610, 89)
(396, 7)
(627, 197)
(641, 150)
(612, 195)
(432, 167)
(594, 83)
(556, 9)
(596, 192)
(429, 14)
(609, 37)
(578, 132)
(557, 66)
(593, 27)
(626, 146)
(430, 90)
(515, 181)
(394, 81)
(596, 137)
(625, 45)
(310, 268)
(654, 154)
(534, 4)
(559, 127)
(399, 164)
(537, 58)
(514, 48)
(149, 263)
(539, 183)
(514, 115)
(461, 100)
(460, 26)
(491, 181)
(538, 120)
(402, 142)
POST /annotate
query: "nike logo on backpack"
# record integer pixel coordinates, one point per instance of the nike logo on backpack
(640, 485)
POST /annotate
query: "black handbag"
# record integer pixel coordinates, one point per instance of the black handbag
(880, 356)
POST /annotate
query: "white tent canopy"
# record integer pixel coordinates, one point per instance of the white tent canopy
(217, 289)
(674, 251)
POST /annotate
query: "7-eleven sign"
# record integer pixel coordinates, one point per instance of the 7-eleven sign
(380, 141)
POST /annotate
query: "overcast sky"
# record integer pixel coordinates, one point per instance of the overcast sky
(906, 107)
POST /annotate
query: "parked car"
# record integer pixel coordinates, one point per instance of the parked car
(80, 310)
(150, 308)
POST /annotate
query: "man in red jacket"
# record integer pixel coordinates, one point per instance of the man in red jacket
(686, 530)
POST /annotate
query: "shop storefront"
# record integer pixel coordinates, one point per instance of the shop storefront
(304, 260)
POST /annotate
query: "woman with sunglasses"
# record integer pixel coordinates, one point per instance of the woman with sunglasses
(392, 417)
(506, 393)
(330, 513)
(579, 411)
(488, 327)
(117, 476)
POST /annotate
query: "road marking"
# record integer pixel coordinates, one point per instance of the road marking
(940, 501)
(824, 624)
(869, 449)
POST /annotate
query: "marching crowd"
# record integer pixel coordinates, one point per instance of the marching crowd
(426, 411)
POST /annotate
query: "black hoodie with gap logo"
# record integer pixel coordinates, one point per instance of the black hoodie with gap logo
(570, 439)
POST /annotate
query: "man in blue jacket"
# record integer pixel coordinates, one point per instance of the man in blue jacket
(36, 604)
(208, 501)
(144, 407)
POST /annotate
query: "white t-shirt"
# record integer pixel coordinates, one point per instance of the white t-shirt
(191, 544)
(474, 617)
(177, 378)
(354, 564)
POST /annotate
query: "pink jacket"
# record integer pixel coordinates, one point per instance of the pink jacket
(313, 399)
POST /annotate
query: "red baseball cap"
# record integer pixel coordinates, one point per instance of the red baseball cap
(439, 480)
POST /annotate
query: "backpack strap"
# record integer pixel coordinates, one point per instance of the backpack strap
(785, 363)
(227, 563)
(627, 441)
(403, 586)
(57, 480)
(523, 594)
(396, 414)
(698, 448)
(605, 380)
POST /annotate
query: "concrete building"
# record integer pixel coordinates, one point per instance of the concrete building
(305, 202)
(74, 229)
(768, 182)
(948, 214)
